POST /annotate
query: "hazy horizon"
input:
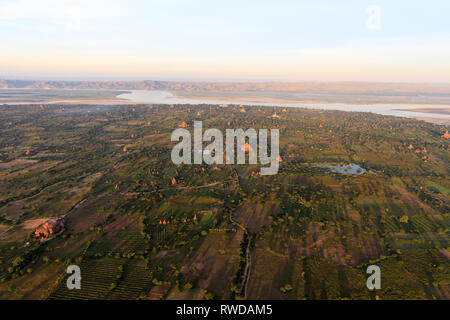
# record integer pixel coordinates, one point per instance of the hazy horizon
(207, 80)
(290, 41)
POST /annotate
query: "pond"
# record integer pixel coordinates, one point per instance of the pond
(350, 168)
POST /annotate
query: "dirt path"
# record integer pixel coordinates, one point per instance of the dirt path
(180, 188)
(245, 280)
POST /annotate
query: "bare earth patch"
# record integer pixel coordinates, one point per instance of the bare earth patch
(16, 162)
(33, 223)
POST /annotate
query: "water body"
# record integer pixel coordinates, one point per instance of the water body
(350, 168)
(388, 109)
(54, 96)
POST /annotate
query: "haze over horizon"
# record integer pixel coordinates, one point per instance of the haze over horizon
(290, 41)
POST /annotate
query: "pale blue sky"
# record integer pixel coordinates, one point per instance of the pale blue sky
(226, 40)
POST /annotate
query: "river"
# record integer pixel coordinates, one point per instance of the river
(389, 109)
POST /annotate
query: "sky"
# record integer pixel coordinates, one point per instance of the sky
(251, 40)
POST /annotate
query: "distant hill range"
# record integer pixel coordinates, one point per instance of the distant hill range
(275, 92)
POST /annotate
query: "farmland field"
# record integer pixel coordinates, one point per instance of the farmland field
(353, 189)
